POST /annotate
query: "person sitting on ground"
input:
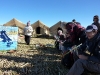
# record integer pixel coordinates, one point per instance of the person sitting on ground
(88, 53)
(68, 44)
(60, 38)
(67, 59)
(77, 32)
(77, 36)
(56, 37)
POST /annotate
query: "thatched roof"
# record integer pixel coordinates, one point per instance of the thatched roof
(39, 24)
(15, 22)
(53, 29)
(58, 24)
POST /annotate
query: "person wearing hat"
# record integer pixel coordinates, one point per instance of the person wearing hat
(88, 53)
(28, 32)
(96, 22)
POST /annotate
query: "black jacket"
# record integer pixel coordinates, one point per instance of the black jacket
(68, 42)
(93, 48)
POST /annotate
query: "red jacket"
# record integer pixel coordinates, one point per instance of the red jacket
(75, 31)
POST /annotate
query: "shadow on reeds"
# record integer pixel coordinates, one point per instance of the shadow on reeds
(43, 36)
(47, 62)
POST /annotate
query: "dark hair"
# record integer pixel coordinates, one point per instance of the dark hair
(96, 17)
(59, 29)
(73, 20)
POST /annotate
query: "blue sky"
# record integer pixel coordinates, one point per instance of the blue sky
(49, 11)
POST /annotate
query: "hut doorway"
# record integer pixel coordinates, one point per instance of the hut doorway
(59, 29)
(38, 30)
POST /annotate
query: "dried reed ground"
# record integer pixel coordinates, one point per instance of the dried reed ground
(29, 61)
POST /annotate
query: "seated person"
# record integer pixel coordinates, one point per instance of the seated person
(67, 59)
(60, 38)
(67, 44)
(77, 36)
(77, 32)
(88, 53)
